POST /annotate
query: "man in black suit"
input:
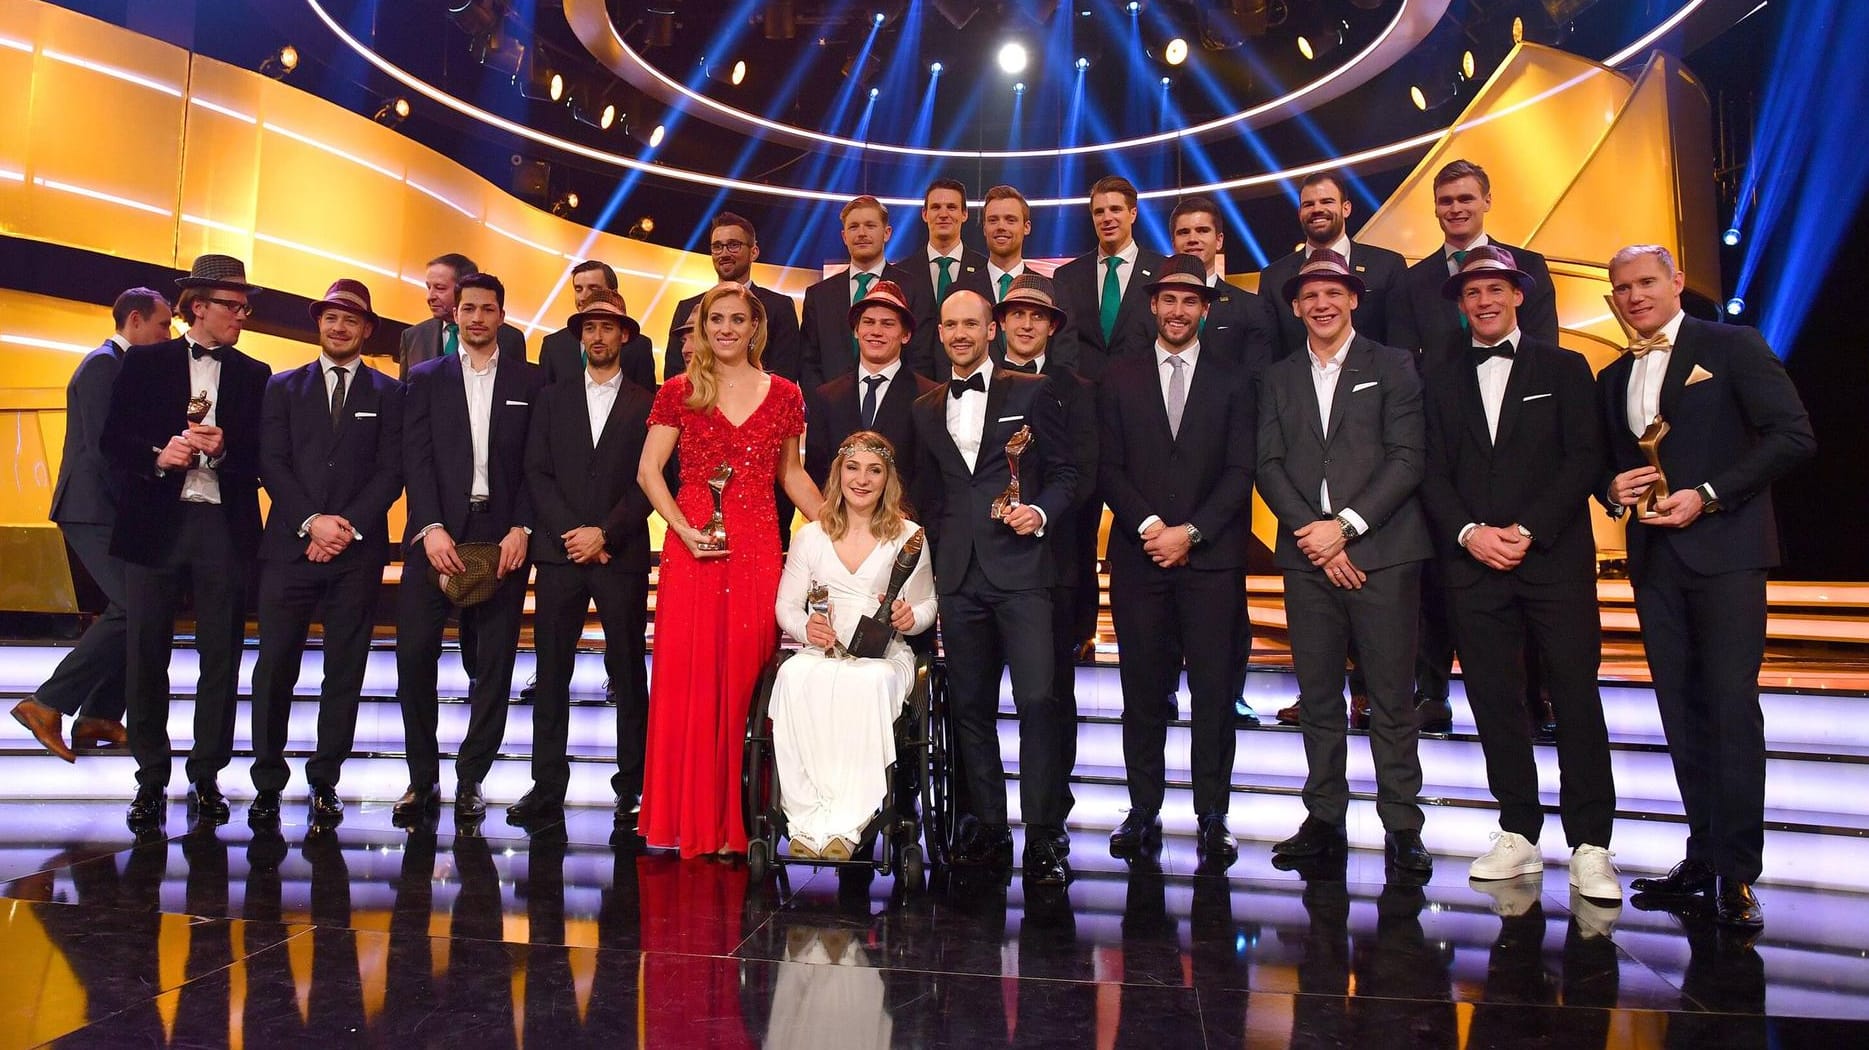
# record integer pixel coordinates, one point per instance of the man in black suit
(1698, 558)
(183, 440)
(1101, 290)
(992, 572)
(1239, 324)
(591, 543)
(1341, 450)
(331, 459)
(733, 244)
(828, 349)
(465, 438)
(1323, 214)
(440, 334)
(1514, 450)
(1177, 469)
(561, 355)
(943, 265)
(878, 396)
(88, 682)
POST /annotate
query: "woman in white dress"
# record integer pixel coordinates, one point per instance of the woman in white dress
(832, 714)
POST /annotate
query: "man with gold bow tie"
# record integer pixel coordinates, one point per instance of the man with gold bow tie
(1699, 560)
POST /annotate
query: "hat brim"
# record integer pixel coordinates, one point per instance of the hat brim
(857, 308)
(478, 582)
(1004, 306)
(318, 308)
(1450, 288)
(1350, 281)
(231, 286)
(629, 324)
(1207, 291)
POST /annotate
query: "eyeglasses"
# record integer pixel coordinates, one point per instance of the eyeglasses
(727, 247)
(234, 306)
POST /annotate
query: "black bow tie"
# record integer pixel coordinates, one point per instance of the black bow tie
(197, 351)
(1482, 354)
(957, 387)
(1030, 367)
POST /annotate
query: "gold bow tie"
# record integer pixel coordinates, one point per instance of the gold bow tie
(1642, 347)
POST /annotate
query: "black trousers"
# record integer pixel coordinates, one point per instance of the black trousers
(1064, 684)
(204, 563)
(985, 629)
(562, 597)
(341, 595)
(1167, 619)
(89, 681)
(1380, 618)
(1705, 638)
(1493, 621)
(421, 615)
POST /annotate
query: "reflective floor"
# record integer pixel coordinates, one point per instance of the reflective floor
(456, 937)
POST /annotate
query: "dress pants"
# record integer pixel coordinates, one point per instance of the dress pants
(1380, 618)
(90, 679)
(563, 596)
(1493, 619)
(1705, 637)
(1064, 684)
(421, 616)
(341, 595)
(204, 562)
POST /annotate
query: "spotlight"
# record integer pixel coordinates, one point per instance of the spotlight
(1735, 306)
(1012, 58)
(875, 92)
(935, 68)
(732, 76)
(1083, 64)
(648, 134)
(593, 107)
(392, 112)
(1468, 64)
(1730, 237)
(1165, 81)
(1019, 88)
(564, 204)
(540, 82)
(641, 228)
(661, 25)
(281, 63)
(1176, 52)
(500, 53)
(1133, 7)
(1432, 95)
(880, 18)
(1323, 38)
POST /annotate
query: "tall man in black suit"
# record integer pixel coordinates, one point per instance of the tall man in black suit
(1323, 214)
(331, 460)
(828, 349)
(440, 334)
(183, 439)
(1101, 290)
(1177, 468)
(1341, 450)
(878, 396)
(561, 355)
(1239, 324)
(943, 265)
(1699, 559)
(591, 543)
(465, 439)
(89, 681)
(733, 244)
(993, 575)
(1515, 447)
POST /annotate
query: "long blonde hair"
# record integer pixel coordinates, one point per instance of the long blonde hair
(703, 387)
(886, 521)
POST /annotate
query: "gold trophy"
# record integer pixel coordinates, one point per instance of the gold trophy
(714, 533)
(198, 407)
(1005, 502)
(1650, 444)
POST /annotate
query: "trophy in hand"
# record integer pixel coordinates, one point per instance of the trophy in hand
(714, 533)
(198, 407)
(1005, 502)
(873, 634)
(818, 603)
(1650, 444)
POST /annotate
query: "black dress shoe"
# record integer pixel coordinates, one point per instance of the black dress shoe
(1044, 865)
(628, 808)
(1315, 838)
(1243, 714)
(535, 806)
(1059, 838)
(1406, 853)
(264, 810)
(1215, 842)
(1685, 879)
(1434, 714)
(530, 691)
(469, 803)
(1139, 835)
(326, 807)
(419, 801)
(206, 803)
(1736, 905)
(147, 810)
(989, 846)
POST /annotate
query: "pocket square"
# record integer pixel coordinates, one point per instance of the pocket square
(521, 404)
(1010, 419)
(1698, 375)
(365, 415)
(1534, 397)
(1362, 386)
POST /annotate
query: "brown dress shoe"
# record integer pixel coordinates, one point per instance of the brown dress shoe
(46, 726)
(97, 732)
(1288, 716)
(1359, 710)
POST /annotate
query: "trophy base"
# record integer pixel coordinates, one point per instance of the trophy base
(1000, 510)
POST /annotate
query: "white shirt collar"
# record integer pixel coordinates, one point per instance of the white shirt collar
(996, 273)
(875, 270)
(1342, 352)
(613, 383)
(985, 372)
(1673, 328)
(1448, 250)
(122, 343)
(1342, 245)
(325, 364)
(1127, 254)
(888, 371)
(1512, 337)
(493, 363)
(935, 253)
(1190, 356)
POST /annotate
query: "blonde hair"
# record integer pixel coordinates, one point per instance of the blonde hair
(886, 521)
(703, 387)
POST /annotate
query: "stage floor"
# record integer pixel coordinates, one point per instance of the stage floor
(370, 935)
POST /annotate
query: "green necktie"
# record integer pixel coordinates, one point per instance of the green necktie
(863, 289)
(451, 339)
(1112, 296)
(1460, 259)
(1005, 283)
(947, 279)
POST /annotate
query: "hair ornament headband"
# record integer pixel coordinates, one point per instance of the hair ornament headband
(879, 451)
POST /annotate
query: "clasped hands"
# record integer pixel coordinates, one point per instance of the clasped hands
(1167, 545)
(1322, 542)
(198, 439)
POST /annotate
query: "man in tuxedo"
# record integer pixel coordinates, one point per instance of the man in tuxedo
(828, 349)
(1514, 450)
(1101, 290)
(440, 334)
(591, 542)
(1177, 469)
(182, 437)
(733, 244)
(562, 355)
(1698, 557)
(465, 433)
(1341, 449)
(331, 459)
(943, 265)
(1239, 324)
(1006, 220)
(88, 682)
(1323, 214)
(877, 396)
(992, 573)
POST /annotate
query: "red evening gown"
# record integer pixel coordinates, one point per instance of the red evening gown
(714, 621)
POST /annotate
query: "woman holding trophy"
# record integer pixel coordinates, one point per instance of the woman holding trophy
(737, 431)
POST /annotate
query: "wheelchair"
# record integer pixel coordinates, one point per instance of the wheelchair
(892, 842)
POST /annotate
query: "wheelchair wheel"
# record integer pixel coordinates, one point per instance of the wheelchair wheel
(911, 870)
(937, 783)
(758, 858)
(759, 802)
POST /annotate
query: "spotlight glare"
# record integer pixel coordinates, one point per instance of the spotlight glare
(1735, 306)
(1304, 48)
(881, 18)
(609, 116)
(558, 87)
(655, 137)
(1083, 64)
(1420, 100)
(1468, 65)
(1518, 30)
(571, 199)
(1133, 7)
(1019, 88)
(1176, 52)
(875, 92)
(935, 68)
(1012, 58)
(739, 72)
(1730, 237)
(1164, 81)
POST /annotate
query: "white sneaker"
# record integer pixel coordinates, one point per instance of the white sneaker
(1594, 874)
(1512, 855)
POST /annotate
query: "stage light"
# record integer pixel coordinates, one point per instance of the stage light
(1323, 37)
(1164, 81)
(1735, 306)
(540, 82)
(731, 76)
(881, 18)
(1730, 237)
(594, 107)
(1132, 7)
(1468, 64)
(660, 26)
(935, 68)
(281, 63)
(1083, 64)
(1431, 95)
(564, 204)
(738, 76)
(1176, 52)
(1019, 88)
(500, 53)
(392, 112)
(875, 92)
(641, 228)
(1012, 58)
(476, 16)
(1518, 29)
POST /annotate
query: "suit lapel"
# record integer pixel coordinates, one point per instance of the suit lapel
(1353, 361)
(1210, 375)
(318, 403)
(1304, 391)
(996, 394)
(1473, 406)
(1524, 370)
(1142, 274)
(454, 404)
(944, 441)
(1681, 359)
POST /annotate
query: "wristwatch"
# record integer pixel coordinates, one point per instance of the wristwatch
(1194, 534)
(1349, 530)
(1708, 501)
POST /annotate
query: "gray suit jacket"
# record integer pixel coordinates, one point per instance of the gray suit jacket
(86, 493)
(422, 342)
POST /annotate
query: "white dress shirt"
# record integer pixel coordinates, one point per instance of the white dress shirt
(888, 372)
(1493, 374)
(480, 418)
(1448, 250)
(599, 399)
(202, 485)
(934, 267)
(994, 273)
(1123, 272)
(1324, 376)
(966, 416)
(122, 343)
(875, 271)
(1164, 373)
(1645, 378)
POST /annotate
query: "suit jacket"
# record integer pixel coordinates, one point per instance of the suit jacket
(1422, 321)
(834, 411)
(1080, 344)
(1240, 328)
(956, 502)
(1380, 269)
(562, 356)
(1739, 430)
(920, 288)
(86, 493)
(422, 342)
(1201, 476)
(1075, 539)
(1372, 450)
(575, 483)
(826, 350)
(784, 344)
(438, 446)
(308, 468)
(148, 406)
(1539, 472)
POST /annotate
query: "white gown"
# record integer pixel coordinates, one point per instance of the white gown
(833, 718)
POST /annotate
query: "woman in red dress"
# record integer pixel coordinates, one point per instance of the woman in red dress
(714, 623)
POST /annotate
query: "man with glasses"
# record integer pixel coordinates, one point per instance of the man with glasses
(561, 355)
(734, 246)
(439, 336)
